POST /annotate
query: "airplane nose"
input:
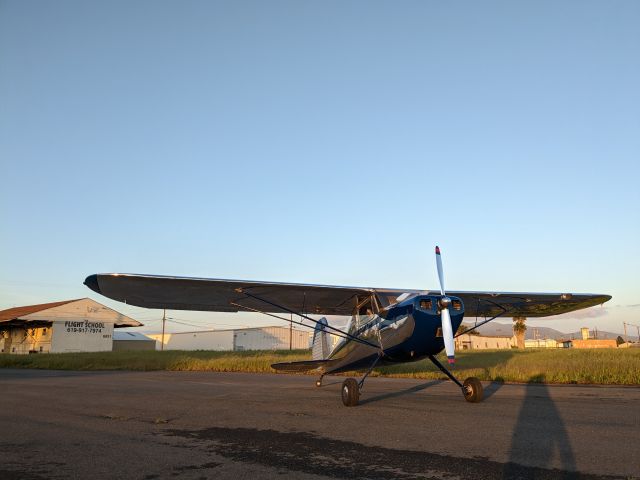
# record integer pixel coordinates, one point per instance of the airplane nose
(92, 282)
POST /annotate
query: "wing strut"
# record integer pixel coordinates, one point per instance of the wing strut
(504, 310)
(340, 333)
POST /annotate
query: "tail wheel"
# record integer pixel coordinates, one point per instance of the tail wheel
(318, 383)
(472, 390)
(350, 392)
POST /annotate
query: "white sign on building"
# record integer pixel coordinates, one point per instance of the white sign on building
(81, 336)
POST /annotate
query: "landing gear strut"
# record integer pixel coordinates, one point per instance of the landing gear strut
(471, 388)
(351, 387)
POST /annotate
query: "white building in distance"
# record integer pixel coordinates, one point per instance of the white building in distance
(484, 342)
(260, 338)
(541, 343)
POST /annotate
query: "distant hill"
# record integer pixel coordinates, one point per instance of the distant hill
(505, 329)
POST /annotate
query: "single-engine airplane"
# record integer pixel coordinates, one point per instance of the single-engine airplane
(387, 325)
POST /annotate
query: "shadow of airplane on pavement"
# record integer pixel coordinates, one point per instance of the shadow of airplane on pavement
(539, 437)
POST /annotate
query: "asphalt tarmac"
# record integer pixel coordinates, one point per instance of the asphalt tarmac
(197, 425)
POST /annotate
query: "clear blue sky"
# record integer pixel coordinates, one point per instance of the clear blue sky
(322, 142)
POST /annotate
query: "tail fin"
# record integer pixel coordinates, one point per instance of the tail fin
(320, 344)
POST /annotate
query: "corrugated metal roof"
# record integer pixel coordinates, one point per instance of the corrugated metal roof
(78, 309)
(17, 312)
(131, 336)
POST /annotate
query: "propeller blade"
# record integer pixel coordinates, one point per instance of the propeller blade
(447, 335)
(440, 274)
(445, 317)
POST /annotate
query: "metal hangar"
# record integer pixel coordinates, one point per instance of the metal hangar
(81, 325)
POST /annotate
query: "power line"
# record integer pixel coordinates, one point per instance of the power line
(173, 320)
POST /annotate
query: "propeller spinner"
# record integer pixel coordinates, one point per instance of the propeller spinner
(445, 317)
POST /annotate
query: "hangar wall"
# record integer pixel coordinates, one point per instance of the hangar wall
(270, 338)
(207, 340)
(20, 340)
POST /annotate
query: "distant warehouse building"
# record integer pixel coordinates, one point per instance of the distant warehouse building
(469, 341)
(132, 341)
(590, 343)
(260, 338)
(540, 343)
(82, 325)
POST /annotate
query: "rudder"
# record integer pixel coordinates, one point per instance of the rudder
(320, 344)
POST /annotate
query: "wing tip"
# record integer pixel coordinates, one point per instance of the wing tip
(92, 282)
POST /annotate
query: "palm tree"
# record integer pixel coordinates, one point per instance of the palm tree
(519, 329)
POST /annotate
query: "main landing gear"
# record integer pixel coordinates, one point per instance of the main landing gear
(351, 387)
(471, 387)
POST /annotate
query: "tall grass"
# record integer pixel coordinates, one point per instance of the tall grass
(613, 367)
(203, 360)
(589, 366)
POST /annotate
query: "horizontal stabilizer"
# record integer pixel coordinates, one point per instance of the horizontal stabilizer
(304, 366)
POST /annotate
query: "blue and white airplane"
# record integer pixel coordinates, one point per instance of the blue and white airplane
(387, 325)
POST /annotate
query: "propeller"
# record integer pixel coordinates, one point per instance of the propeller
(445, 317)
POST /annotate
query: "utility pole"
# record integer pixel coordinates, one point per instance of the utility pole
(291, 331)
(631, 325)
(624, 325)
(164, 320)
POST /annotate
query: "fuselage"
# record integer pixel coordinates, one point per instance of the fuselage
(407, 331)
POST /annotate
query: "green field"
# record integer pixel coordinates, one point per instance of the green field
(611, 367)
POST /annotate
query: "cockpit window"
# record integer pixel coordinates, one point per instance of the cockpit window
(364, 312)
(386, 299)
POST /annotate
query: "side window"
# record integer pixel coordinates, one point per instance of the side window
(426, 304)
(364, 312)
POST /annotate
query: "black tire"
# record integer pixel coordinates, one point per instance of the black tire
(472, 390)
(350, 392)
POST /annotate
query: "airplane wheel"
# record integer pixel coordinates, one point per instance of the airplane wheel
(472, 390)
(350, 392)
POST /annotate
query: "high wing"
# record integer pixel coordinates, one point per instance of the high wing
(216, 295)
